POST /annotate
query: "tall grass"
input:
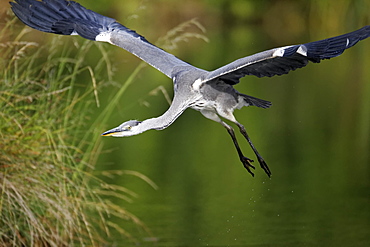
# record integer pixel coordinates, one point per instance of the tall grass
(48, 193)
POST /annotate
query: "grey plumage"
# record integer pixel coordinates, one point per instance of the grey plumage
(210, 92)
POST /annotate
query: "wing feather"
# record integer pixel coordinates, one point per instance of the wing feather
(280, 61)
(70, 18)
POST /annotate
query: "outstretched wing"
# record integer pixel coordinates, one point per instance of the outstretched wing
(70, 18)
(280, 61)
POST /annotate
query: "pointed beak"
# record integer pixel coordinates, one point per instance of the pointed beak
(110, 132)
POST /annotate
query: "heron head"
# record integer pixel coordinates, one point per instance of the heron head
(128, 128)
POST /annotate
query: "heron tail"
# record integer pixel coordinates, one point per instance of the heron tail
(255, 101)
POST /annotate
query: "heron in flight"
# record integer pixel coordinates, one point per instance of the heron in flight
(210, 92)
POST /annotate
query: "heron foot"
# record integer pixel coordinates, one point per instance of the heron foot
(247, 164)
(264, 166)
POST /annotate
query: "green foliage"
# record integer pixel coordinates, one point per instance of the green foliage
(48, 193)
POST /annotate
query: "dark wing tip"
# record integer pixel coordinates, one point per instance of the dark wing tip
(335, 46)
(60, 17)
(280, 61)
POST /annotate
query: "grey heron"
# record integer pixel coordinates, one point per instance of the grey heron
(210, 92)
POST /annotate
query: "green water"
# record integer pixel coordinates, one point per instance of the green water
(315, 137)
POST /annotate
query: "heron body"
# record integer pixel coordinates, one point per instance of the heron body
(210, 92)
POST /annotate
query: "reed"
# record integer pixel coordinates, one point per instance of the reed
(50, 194)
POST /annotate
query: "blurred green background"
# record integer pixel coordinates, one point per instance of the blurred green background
(315, 138)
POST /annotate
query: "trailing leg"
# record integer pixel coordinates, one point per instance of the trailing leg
(261, 161)
(246, 161)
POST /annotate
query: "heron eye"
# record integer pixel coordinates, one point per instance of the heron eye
(127, 128)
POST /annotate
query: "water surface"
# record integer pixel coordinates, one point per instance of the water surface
(315, 138)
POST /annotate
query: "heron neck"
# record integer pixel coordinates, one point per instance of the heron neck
(163, 121)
